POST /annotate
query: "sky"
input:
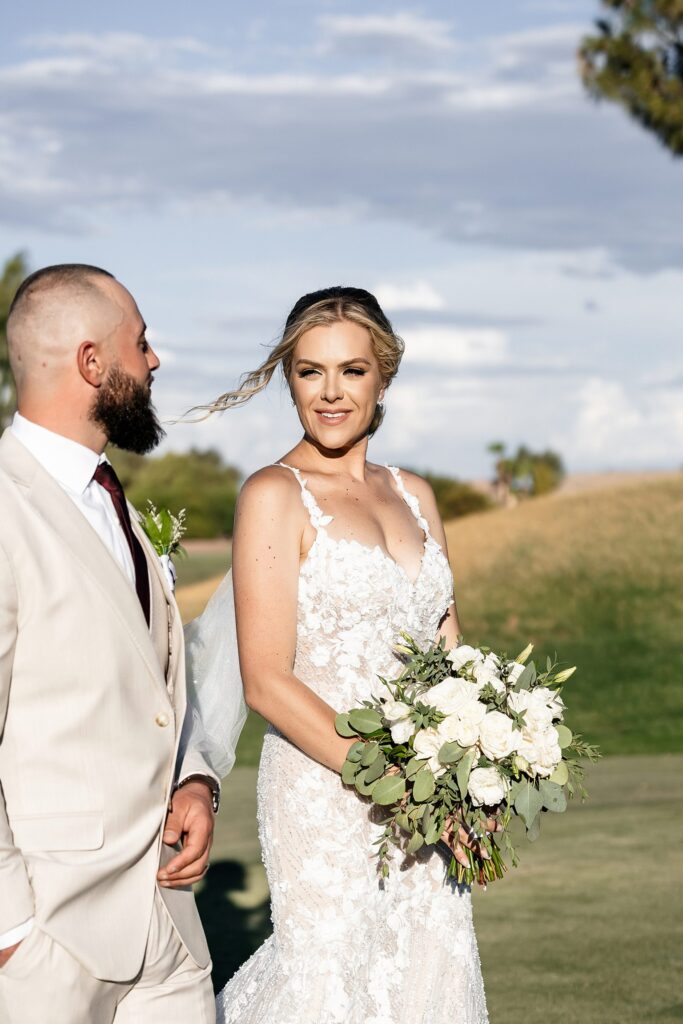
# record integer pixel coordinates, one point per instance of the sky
(223, 159)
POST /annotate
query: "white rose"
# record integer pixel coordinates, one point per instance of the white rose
(514, 671)
(450, 695)
(398, 715)
(487, 786)
(545, 698)
(394, 710)
(427, 744)
(488, 673)
(496, 737)
(402, 730)
(463, 655)
(463, 725)
(541, 748)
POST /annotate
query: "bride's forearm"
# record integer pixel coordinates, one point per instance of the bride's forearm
(300, 715)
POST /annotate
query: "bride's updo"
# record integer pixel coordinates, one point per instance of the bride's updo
(320, 309)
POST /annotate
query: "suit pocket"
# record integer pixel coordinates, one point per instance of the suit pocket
(53, 833)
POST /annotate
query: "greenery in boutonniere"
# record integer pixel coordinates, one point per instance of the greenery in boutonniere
(164, 530)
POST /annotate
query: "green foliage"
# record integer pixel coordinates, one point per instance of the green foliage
(635, 59)
(164, 529)
(13, 273)
(526, 471)
(455, 498)
(198, 481)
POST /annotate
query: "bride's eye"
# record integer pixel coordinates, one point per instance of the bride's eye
(355, 371)
(307, 373)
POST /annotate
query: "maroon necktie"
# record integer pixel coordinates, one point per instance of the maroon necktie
(107, 478)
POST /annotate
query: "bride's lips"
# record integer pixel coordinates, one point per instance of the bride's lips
(332, 418)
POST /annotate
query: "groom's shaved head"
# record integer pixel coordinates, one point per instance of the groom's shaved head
(54, 310)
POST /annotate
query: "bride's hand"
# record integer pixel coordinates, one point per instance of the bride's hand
(456, 840)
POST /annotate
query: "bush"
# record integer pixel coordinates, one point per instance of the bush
(455, 498)
(198, 481)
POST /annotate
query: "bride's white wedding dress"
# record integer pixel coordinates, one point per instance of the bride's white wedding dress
(347, 947)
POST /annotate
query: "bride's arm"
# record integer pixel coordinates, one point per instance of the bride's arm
(449, 626)
(269, 526)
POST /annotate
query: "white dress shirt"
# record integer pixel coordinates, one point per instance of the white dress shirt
(73, 466)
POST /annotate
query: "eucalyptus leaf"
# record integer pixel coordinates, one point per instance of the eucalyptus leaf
(462, 772)
(527, 678)
(564, 736)
(424, 785)
(561, 774)
(341, 724)
(416, 842)
(376, 769)
(433, 833)
(369, 754)
(528, 803)
(413, 766)
(355, 751)
(553, 796)
(349, 772)
(534, 830)
(364, 720)
(451, 752)
(362, 786)
(388, 790)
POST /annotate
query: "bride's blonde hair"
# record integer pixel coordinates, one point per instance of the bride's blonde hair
(320, 309)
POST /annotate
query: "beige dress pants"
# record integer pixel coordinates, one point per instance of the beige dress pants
(43, 984)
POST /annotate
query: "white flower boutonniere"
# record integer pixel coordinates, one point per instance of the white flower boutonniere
(165, 532)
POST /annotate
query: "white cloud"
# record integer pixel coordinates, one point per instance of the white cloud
(410, 30)
(504, 153)
(455, 346)
(614, 428)
(421, 295)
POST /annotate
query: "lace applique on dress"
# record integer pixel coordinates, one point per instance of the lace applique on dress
(347, 948)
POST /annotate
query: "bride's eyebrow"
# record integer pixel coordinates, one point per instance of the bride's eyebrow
(320, 366)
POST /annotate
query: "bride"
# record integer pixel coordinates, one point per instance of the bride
(333, 556)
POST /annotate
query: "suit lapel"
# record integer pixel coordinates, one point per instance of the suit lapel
(74, 531)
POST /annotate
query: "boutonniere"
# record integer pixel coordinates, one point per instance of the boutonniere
(165, 532)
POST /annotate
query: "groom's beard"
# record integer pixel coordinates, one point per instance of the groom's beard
(124, 410)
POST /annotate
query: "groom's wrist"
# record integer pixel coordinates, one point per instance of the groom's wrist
(206, 780)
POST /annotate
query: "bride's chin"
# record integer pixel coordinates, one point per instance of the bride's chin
(334, 446)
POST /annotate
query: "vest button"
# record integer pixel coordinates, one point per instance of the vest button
(161, 720)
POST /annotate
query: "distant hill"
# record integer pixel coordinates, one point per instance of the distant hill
(599, 577)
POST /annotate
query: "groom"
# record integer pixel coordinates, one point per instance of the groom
(104, 825)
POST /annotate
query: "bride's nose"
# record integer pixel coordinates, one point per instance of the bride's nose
(332, 389)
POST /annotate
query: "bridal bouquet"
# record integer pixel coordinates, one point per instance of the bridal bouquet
(460, 737)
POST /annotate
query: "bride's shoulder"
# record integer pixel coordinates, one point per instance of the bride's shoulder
(416, 484)
(272, 484)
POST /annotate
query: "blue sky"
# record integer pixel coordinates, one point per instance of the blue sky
(524, 240)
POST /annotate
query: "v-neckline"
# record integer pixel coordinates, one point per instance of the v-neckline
(372, 549)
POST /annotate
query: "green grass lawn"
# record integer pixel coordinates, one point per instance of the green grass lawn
(588, 929)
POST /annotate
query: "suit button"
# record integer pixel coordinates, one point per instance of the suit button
(161, 720)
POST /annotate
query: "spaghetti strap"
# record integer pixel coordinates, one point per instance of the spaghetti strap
(411, 501)
(318, 520)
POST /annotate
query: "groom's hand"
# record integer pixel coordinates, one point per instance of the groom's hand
(190, 819)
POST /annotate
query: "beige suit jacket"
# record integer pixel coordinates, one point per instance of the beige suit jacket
(92, 703)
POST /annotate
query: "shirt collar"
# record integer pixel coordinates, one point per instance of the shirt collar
(71, 464)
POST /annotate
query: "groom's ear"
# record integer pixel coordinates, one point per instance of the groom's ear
(90, 363)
